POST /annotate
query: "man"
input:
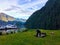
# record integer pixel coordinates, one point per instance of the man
(38, 33)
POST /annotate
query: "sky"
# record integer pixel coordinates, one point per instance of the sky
(21, 8)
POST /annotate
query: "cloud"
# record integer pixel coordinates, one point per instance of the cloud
(21, 8)
(21, 2)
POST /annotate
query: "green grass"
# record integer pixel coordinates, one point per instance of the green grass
(28, 38)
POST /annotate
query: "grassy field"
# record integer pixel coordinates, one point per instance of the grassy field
(28, 38)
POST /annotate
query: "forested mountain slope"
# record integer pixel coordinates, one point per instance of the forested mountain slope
(47, 17)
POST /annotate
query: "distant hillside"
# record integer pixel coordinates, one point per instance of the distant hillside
(2, 23)
(22, 20)
(5, 17)
(46, 18)
(19, 24)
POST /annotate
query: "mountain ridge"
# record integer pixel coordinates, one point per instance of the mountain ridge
(5, 17)
(47, 17)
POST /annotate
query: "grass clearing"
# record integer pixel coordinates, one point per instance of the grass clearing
(28, 38)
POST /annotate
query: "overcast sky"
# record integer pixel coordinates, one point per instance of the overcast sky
(21, 8)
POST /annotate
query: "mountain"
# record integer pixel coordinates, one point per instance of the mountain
(22, 20)
(19, 24)
(2, 23)
(5, 17)
(48, 17)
